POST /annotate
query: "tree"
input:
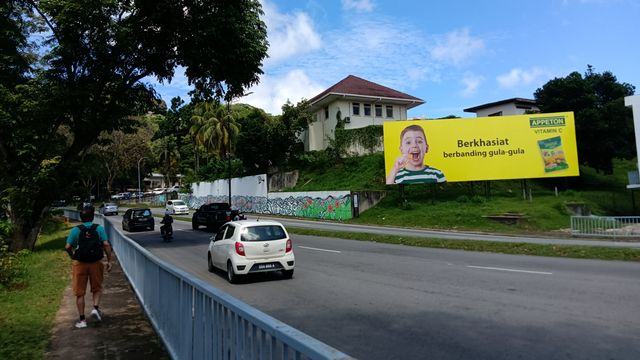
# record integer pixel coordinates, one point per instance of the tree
(254, 143)
(81, 76)
(604, 126)
(287, 131)
(168, 156)
(215, 128)
(119, 152)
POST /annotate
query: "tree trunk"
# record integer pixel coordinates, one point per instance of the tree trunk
(26, 229)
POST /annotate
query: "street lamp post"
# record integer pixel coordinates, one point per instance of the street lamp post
(229, 162)
(138, 194)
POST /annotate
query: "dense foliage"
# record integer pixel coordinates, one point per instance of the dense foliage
(73, 69)
(604, 126)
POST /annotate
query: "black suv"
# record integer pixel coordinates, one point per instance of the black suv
(138, 218)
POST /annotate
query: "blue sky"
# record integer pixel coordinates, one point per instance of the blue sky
(453, 54)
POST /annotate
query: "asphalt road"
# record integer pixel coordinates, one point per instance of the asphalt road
(380, 301)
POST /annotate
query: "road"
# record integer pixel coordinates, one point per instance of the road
(381, 301)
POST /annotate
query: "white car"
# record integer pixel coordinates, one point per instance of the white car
(177, 207)
(251, 246)
(158, 191)
(175, 188)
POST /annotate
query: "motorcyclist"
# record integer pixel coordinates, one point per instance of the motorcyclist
(167, 228)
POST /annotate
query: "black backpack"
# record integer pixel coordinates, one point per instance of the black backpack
(89, 245)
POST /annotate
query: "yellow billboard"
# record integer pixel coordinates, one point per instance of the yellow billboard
(489, 148)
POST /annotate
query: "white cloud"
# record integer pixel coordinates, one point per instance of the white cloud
(518, 77)
(457, 47)
(471, 83)
(385, 52)
(358, 5)
(288, 34)
(274, 91)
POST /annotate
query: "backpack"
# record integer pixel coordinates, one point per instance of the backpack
(89, 245)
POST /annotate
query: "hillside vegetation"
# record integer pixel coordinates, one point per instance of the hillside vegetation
(461, 206)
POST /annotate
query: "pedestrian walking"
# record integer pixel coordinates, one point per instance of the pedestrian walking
(87, 244)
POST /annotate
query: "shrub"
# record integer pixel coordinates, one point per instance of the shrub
(477, 199)
(463, 199)
(11, 267)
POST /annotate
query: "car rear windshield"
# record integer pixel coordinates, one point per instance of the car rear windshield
(141, 213)
(211, 207)
(178, 202)
(263, 233)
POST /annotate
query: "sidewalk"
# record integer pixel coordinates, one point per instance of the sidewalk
(124, 332)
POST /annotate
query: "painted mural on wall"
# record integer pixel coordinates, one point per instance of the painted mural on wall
(249, 195)
(331, 205)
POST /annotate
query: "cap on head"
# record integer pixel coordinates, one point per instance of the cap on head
(87, 213)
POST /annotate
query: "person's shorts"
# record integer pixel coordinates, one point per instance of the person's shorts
(83, 272)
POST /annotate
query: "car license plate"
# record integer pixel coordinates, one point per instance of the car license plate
(266, 266)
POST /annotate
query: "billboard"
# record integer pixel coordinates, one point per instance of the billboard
(489, 148)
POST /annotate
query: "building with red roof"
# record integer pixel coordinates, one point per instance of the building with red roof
(359, 103)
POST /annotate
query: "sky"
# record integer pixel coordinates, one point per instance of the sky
(452, 54)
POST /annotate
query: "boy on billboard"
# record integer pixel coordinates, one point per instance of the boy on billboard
(409, 167)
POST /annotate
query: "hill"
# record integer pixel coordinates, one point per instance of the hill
(544, 203)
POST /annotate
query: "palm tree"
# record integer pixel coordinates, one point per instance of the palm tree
(214, 128)
(202, 113)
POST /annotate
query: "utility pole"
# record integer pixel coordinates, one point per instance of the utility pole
(138, 194)
(229, 165)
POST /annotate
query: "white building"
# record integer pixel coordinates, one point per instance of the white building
(514, 106)
(360, 103)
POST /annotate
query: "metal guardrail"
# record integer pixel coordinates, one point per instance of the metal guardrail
(608, 226)
(198, 321)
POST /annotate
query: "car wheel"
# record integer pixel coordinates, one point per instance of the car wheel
(288, 274)
(231, 274)
(210, 263)
(194, 226)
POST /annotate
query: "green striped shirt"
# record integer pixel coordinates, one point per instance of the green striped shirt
(426, 175)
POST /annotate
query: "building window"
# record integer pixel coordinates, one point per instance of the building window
(367, 109)
(378, 110)
(499, 113)
(389, 111)
(326, 112)
(356, 109)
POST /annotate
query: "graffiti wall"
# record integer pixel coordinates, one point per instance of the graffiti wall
(332, 205)
(249, 194)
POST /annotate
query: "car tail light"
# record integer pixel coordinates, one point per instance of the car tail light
(289, 246)
(228, 218)
(240, 249)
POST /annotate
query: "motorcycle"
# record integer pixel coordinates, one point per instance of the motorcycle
(167, 234)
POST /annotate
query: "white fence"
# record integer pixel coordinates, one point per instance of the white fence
(608, 226)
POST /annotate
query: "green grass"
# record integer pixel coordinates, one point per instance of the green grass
(27, 311)
(566, 251)
(462, 205)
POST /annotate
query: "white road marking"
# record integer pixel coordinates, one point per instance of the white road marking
(511, 270)
(310, 248)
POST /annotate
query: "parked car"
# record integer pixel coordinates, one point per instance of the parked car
(138, 218)
(121, 196)
(58, 204)
(158, 191)
(251, 246)
(137, 195)
(177, 207)
(175, 188)
(109, 209)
